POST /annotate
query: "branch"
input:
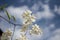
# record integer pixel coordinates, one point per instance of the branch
(10, 21)
(13, 33)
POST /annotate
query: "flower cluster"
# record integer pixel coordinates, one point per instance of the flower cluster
(22, 37)
(29, 19)
(35, 30)
(6, 35)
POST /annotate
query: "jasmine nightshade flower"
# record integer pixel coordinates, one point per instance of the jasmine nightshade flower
(22, 37)
(35, 30)
(26, 14)
(6, 35)
(24, 28)
(28, 18)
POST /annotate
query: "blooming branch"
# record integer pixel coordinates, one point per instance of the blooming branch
(28, 20)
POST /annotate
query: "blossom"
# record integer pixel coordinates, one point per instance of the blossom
(24, 28)
(6, 35)
(32, 18)
(28, 18)
(26, 14)
(8, 32)
(27, 22)
(22, 37)
(35, 30)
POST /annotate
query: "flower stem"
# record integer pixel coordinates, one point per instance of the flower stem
(13, 32)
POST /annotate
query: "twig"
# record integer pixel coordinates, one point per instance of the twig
(10, 21)
(13, 32)
(13, 24)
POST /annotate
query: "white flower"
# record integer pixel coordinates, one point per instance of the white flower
(26, 14)
(5, 38)
(28, 18)
(27, 22)
(35, 30)
(24, 28)
(8, 32)
(6, 35)
(23, 37)
(32, 18)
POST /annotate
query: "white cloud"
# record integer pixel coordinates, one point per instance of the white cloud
(47, 14)
(17, 11)
(52, 26)
(56, 36)
(35, 7)
(57, 9)
(46, 31)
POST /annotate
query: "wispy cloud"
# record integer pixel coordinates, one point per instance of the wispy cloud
(57, 9)
(17, 12)
(56, 35)
(47, 14)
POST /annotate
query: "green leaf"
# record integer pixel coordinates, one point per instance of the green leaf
(3, 6)
(14, 18)
(9, 16)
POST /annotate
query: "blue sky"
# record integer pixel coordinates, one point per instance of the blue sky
(46, 11)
